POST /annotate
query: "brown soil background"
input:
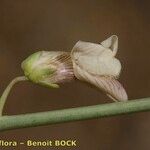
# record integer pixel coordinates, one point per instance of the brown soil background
(27, 26)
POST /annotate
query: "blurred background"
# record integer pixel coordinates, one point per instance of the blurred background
(27, 26)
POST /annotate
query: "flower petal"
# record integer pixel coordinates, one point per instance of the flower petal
(95, 59)
(108, 85)
(111, 43)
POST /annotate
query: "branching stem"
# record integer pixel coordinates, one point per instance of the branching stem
(7, 90)
(73, 114)
(66, 115)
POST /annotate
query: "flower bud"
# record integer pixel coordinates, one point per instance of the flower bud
(48, 68)
(89, 62)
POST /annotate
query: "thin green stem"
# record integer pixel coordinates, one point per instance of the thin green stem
(73, 114)
(7, 90)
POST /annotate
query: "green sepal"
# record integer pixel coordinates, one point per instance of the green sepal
(49, 85)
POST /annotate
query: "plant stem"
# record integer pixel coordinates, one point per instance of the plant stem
(7, 90)
(73, 114)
